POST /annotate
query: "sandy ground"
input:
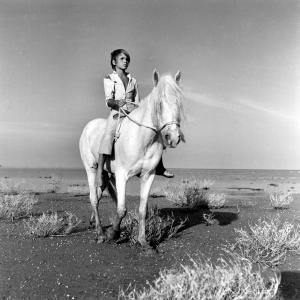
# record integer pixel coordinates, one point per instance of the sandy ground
(76, 267)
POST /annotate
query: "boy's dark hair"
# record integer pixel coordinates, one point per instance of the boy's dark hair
(114, 55)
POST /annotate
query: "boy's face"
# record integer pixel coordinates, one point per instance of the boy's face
(121, 62)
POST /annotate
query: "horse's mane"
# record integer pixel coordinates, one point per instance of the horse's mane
(167, 92)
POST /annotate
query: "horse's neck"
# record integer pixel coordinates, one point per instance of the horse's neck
(144, 129)
(144, 113)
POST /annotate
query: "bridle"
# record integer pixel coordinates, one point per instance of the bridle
(143, 125)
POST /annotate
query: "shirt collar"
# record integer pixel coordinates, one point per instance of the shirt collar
(115, 74)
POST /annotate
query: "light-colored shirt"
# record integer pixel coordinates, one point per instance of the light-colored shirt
(114, 89)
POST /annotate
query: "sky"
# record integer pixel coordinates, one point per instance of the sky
(240, 69)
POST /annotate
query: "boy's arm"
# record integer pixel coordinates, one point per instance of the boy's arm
(109, 90)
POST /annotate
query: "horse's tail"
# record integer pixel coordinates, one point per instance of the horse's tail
(89, 142)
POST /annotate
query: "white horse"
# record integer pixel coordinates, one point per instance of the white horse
(143, 134)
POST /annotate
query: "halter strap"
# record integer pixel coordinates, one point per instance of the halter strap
(169, 123)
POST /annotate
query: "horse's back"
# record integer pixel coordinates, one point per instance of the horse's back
(90, 139)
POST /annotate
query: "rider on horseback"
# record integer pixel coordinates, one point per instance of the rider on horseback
(120, 88)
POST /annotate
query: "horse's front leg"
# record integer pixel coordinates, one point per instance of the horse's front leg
(94, 199)
(114, 231)
(146, 182)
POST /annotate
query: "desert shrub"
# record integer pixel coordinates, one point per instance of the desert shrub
(16, 206)
(209, 219)
(230, 279)
(158, 228)
(268, 241)
(51, 224)
(187, 194)
(192, 194)
(281, 200)
(216, 200)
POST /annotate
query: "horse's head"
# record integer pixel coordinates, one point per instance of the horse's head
(169, 109)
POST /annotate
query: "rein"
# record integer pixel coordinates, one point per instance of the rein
(146, 126)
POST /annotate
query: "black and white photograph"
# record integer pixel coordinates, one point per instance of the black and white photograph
(150, 149)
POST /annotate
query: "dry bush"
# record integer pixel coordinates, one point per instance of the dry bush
(216, 200)
(268, 241)
(158, 228)
(193, 194)
(186, 190)
(281, 200)
(51, 224)
(187, 194)
(229, 279)
(17, 206)
(209, 219)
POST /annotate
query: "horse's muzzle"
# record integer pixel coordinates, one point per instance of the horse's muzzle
(173, 137)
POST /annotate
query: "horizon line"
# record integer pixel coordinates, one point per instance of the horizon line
(178, 168)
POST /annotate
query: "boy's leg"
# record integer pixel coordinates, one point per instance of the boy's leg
(162, 171)
(106, 146)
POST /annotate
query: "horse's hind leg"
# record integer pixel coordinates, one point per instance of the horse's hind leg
(119, 199)
(94, 199)
(111, 186)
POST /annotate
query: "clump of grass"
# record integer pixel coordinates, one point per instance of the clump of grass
(281, 200)
(209, 219)
(17, 206)
(179, 191)
(216, 200)
(187, 194)
(230, 279)
(158, 228)
(268, 241)
(51, 224)
(193, 194)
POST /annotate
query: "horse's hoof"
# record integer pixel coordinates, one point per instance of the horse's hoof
(112, 234)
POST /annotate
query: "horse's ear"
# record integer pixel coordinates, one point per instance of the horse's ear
(155, 77)
(178, 77)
